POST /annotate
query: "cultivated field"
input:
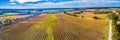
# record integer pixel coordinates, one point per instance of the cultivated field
(56, 27)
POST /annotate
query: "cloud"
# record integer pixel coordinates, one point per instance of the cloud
(23, 1)
(67, 4)
(13, 3)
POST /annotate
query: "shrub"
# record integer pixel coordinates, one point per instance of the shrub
(95, 17)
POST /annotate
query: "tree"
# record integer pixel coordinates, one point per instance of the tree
(118, 16)
(82, 16)
(112, 16)
(95, 17)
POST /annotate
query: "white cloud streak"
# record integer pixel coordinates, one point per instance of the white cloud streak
(23, 1)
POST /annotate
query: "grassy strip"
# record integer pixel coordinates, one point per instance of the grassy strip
(49, 30)
(47, 24)
(107, 31)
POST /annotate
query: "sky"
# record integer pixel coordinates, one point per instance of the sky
(33, 4)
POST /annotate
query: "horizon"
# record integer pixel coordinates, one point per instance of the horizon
(60, 8)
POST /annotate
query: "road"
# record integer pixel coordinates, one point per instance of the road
(110, 31)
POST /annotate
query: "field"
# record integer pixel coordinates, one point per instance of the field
(56, 27)
(91, 14)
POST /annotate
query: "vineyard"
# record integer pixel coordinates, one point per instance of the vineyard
(56, 27)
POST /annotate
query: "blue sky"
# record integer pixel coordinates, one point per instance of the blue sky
(26, 4)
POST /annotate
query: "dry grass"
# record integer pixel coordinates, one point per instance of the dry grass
(89, 15)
